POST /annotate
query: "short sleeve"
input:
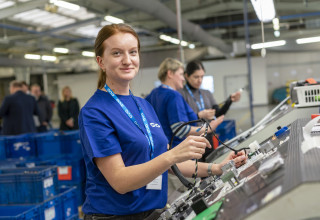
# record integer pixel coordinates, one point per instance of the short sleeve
(176, 110)
(97, 134)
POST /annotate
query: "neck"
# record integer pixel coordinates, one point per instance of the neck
(169, 83)
(119, 89)
(190, 86)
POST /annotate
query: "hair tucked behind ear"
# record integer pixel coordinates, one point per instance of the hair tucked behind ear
(106, 32)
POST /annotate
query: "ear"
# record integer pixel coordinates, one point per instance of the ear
(100, 62)
(170, 74)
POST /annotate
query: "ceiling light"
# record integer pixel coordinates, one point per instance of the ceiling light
(276, 24)
(192, 46)
(32, 56)
(184, 43)
(276, 33)
(175, 41)
(308, 40)
(66, 5)
(88, 54)
(6, 4)
(48, 58)
(165, 37)
(60, 50)
(268, 44)
(264, 9)
(113, 20)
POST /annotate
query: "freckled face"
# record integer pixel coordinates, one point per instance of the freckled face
(120, 59)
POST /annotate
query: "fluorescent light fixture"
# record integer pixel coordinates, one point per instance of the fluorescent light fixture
(184, 43)
(32, 56)
(175, 41)
(264, 9)
(192, 46)
(113, 20)
(165, 37)
(60, 50)
(276, 33)
(6, 4)
(88, 54)
(268, 44)
(48, 58)
(66, 5)
(308, 40)
(276, 24)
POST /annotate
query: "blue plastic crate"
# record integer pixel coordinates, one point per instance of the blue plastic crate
(69, 203)
(48, 144)
(71, 170)
(21, 212)
(20, 146)
(10, 163)
(70, 143)
(52, 209)
(226, 130)
(28, 185)
(3, 155)
(36, 162)
(79, 191)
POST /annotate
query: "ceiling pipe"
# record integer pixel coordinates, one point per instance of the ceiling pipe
(191, 30)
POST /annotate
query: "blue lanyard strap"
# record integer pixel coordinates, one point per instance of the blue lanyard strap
(166, 86)
(201, 104)
(144, 119)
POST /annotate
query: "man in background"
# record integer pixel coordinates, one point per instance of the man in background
(17, 111)
(45, 110)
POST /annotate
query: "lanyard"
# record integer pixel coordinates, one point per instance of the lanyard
(200, 106)
(166, 86)
(144, 119)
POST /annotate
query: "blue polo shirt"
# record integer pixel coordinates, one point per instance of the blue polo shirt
(171, 108)
(105, 129)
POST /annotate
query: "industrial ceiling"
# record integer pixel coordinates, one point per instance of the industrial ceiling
(214, 27)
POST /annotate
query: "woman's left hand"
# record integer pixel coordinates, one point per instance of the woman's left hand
(239, 159)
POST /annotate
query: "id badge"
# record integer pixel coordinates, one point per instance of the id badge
(156, 184)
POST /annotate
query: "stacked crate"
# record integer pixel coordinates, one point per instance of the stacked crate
(42, 176)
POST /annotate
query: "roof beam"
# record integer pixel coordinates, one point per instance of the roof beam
(7, 12)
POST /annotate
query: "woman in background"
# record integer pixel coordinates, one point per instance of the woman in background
(68, 110)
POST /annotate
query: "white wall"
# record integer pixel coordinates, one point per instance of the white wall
(82, 85)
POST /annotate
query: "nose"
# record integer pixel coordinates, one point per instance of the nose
(126, 59)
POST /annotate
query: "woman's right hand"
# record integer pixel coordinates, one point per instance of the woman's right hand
(191, 148)
(214, 123)
(207, 113)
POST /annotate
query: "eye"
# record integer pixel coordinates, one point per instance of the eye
(116, 53)
(134, 52)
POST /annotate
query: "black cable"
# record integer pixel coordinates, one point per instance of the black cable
(174, 167)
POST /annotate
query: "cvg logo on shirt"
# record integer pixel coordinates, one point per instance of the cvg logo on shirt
(154, 125)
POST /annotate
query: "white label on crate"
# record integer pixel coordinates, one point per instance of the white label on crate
(50, 213)
(22, 145)
(30, 165)
(47, 182)
(63, 170)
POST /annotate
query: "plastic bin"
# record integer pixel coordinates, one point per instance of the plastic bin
(20, 146)
(3, 155)
(308, 95)
(71, 170)
(28, 185)
(69, 204)
(48, 144)
(25, 212)
(36, 162)
(52, 209)
(70, 143)
(226, 130)
(79, 192)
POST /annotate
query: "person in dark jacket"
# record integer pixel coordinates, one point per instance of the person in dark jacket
(68, 110)
(17, 111)
(44, 106)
